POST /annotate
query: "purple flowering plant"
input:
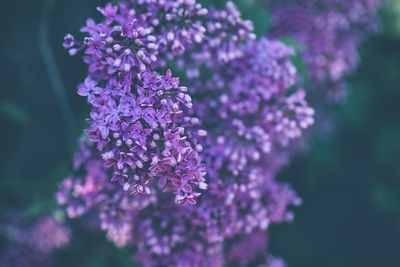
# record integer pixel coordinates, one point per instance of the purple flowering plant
(192, 116)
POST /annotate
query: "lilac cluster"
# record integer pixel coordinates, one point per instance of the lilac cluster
(225, 28)
(32, 244)
(248, 105)
(245, 111)
(167, 234)
(252, 247)
(331, 32)
(137, 117)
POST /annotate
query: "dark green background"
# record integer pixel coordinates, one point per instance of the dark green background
(349, 180)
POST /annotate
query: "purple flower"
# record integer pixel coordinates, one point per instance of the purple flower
(331, 32)
(94, 47)
(168, 81)
(140, 133)
(89, 88)
(32, 243)
(109, 12)
(100, 123)
(90, 27)
(118, 175)
(149, 115)
(69, 41)
(145, 96)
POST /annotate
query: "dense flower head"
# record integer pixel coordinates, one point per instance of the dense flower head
(166, 234)
(137, 113)
(331, 31)
(227, 133)
(225, 28)
(251, 103)
(250, 249)
(140, 135)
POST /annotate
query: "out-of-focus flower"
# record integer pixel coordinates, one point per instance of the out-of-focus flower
(32, 244)
(331, 32)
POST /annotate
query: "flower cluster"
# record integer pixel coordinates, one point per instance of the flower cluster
(138, 114)
(32, 245)
(251, 104)
(246, 109)
(251, 247)
(331, 31)
(167, 234)
(225, 28)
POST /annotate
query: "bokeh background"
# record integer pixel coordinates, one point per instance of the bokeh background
(349, 179)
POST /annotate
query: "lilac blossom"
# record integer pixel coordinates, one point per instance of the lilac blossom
(136, 116)
(166, 234)
(144, 126)
(253, 113)
(32, 244)
(330, 31)
(225, 134)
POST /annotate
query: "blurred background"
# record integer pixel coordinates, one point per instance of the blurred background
(349, 181)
